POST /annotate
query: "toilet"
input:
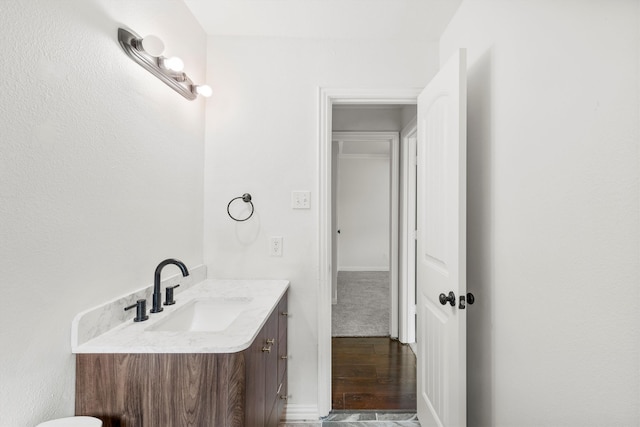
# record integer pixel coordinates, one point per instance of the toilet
(72, 422)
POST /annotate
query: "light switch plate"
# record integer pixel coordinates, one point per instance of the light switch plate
(301, 199)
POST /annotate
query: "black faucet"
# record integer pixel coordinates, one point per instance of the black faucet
(157, 293)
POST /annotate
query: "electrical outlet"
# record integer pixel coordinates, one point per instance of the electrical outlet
(300, 199)
(275, 246)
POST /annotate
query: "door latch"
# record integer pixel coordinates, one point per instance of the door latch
(470, 299)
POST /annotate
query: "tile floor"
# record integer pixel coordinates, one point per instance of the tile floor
(362, 419)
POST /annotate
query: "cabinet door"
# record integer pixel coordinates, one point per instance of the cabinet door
(283, 315)
(271, 370)
(278, 407)
(255, 382)
(282, 399)
(194, 390)
(113, 387)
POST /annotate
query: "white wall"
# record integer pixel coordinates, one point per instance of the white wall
(363, 208)
(100, 179)
(366, 119)
(262, 138)
(553, 243)
(372, 118)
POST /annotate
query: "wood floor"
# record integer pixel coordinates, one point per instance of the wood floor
(372, 373)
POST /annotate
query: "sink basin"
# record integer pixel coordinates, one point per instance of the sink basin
(203, 315)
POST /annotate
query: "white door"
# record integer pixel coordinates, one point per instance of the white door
(441, 251)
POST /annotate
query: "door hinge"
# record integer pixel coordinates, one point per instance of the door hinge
(413, 310)
(415, 234)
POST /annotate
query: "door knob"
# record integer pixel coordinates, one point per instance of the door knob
(470, 298)
(451, 299)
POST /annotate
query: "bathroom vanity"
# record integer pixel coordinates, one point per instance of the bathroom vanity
(168, 373)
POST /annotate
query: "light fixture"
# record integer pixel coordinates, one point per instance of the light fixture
(204, 90)
(174, 64)
(147, 52)
(152, 45)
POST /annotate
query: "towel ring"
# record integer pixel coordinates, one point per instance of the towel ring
(246, 197)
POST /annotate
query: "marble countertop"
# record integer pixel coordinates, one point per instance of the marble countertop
(134, 337)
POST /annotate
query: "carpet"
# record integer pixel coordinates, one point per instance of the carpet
(363, 304)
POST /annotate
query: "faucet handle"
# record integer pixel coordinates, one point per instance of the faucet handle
(168, 300)
(141, 310)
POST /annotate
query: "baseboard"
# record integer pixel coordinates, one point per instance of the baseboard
(293, 412)
(363, 268)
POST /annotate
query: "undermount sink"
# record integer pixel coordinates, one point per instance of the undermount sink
(203, 315)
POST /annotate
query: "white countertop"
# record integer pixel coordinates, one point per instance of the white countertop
(133, 337)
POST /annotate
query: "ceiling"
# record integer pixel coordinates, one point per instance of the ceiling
(338, 19)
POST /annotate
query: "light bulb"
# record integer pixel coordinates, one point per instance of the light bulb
(204, 90)
(174, 64)
(152, 45)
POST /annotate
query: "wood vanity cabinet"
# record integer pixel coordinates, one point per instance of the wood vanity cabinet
(243, 389)
(266, 355)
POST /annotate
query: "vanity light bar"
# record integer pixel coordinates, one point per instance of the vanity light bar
(148, 53)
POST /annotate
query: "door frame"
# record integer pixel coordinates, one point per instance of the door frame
(407, 237)
(328, 97)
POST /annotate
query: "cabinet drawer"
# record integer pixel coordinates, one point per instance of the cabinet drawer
(282, 400)
(278, 407)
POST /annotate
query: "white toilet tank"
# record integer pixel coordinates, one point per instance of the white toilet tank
(72, 422)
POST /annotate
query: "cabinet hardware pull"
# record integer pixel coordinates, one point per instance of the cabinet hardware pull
(284, 397)
(271, 341)
(284, 357)
(266, 349)
(284, 313)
